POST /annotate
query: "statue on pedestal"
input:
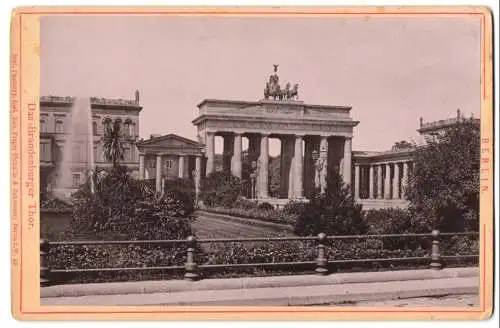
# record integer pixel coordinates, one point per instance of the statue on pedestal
(274, 91)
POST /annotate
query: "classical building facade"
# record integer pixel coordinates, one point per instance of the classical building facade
(380, 178)
(169, 157)
(301, 128)
(315, 141)
(55, 131)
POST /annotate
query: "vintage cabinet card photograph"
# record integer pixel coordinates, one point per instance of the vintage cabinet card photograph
(251, 163)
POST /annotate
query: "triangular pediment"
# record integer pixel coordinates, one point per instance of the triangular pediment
(169, 141)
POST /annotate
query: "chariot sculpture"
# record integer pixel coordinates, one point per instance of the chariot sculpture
(273, 89)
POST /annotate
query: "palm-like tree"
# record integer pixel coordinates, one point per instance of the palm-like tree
(112, 142)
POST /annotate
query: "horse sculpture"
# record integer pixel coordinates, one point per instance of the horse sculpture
(274, 91)
(294, 93)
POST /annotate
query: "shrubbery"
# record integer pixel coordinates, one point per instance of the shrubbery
(444, 185)
(333, 213)
(220, 189)
(55, 205)
(122, 208)
(265, 207)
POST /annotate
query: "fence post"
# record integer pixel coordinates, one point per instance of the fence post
(44, 269)
(321, 261)
(436, 256)
(191, 266)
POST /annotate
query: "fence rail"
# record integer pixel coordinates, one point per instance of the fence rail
(192, 268)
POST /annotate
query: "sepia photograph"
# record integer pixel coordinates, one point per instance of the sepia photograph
(310, 161)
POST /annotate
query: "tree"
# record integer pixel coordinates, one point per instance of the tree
(113, 142)
(335, 212)
(444, 185)
(274, 176)
(220, 189)
(125, 206)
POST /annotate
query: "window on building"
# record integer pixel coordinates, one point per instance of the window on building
(96, 154)
(44, 152)
(76, 180)
(59, 126)
(131, 129)
(94, 128)
(125, 130)
(168, 164)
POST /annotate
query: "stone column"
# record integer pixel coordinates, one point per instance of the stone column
(264, 167)
(299, 167)
(379, 182)
(404, 180)
(210, 153)
(370, 183)
(181, 166)
(158, 173)
(197, 177)
(356, 181)
(236, 160)
(286, 168)
(141, 166)
(395, 182)
(387, 185)
(310, 172)
(323, 153)
(346, 170)
(227, 152)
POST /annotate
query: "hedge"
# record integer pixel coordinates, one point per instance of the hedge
(72, 257)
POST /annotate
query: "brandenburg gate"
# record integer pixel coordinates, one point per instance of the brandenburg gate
(305, 131)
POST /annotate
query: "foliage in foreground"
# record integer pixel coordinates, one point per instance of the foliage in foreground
(122, 208)
(220, 189)
(123, 205)
(444, 186)
(334, 212)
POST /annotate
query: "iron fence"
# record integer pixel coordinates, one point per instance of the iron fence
(192, 269)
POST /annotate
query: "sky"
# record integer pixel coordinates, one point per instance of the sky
(392, 71)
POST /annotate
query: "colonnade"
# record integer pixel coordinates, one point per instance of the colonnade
(386, 180)
(182, 169)
(297, 167)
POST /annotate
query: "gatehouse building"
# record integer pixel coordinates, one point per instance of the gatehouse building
(315, 141)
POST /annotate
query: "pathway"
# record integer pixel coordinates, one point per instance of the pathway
(208, 226)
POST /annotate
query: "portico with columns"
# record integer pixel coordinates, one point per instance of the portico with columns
(301, 129)
(170, 157)
(380, 178)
